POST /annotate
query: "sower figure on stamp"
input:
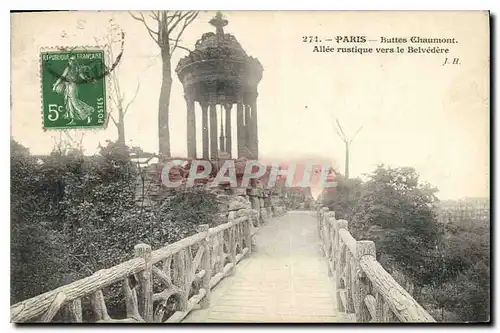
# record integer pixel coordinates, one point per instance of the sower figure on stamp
(67, 84)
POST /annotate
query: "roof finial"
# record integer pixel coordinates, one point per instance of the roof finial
(219, 22)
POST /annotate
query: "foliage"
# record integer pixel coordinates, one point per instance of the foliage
(343, 198)
(73, 215)
(298, 198)
(463, 288)
(396, 211)
(33, 242)
(447, 266)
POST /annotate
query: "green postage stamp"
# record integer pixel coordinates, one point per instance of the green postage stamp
(73, 89)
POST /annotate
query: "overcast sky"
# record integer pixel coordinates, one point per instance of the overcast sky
(415, 112)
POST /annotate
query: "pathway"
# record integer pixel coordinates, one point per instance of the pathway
(284, 280)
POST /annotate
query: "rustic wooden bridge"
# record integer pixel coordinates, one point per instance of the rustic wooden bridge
(299, 267)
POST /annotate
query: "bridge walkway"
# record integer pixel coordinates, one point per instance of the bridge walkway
(285, 279)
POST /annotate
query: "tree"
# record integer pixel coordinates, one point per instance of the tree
(170, 27)
(122, 107)
(115, 36)
(343, 198)
(37, 249)
(396, 211)
(68, 143)
(347, 142)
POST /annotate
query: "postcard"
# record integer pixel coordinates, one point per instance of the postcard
(250, 167)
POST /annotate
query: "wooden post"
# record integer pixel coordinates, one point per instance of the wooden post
(331, 231)
(248, 234)
(131, 300)
(339, 265)
(53, 308)
(320, 221)
(379, 308)
(232, 248)
(99, 306)
(206, 265)
(322, 218)
(330, 253)
(360, 283)
(241, 235)
(331, 258)
(180, 278)
(256, 206)
(188, 274)
(328, 234)
(348, 276)
(218, 252)
(75, 310)
(146, 282)
(389, 316)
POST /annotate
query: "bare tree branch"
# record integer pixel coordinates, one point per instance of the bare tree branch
(176, 45)
(191, 17)
(131, 100)
(114, 73)
(81, 141)
(344, 137)
(136, 17)
(116, 86)
(69, 136)
(154, 15)
(117, 95)
(338, 132)
(181, 17)
(172, 22)
(151, 32)
(356, 133)
(116, 100)
(184, 48)
(188, 20)
(113, 119)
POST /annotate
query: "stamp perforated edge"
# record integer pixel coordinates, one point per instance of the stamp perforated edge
(107, 82)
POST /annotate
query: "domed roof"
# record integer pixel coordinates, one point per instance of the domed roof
(225, 41)
(220, 61)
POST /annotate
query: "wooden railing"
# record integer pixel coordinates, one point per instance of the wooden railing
(186, 270)
(365, 291)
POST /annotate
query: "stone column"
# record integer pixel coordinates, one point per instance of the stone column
(229, 143)
(248, 131)
(191, 128)
(241, 128)
(221, 138)
(255, 134)
(213, 130)
(204, 122)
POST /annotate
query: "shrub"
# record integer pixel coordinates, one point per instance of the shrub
(400, 208)
(447, 264)
(73, 215)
